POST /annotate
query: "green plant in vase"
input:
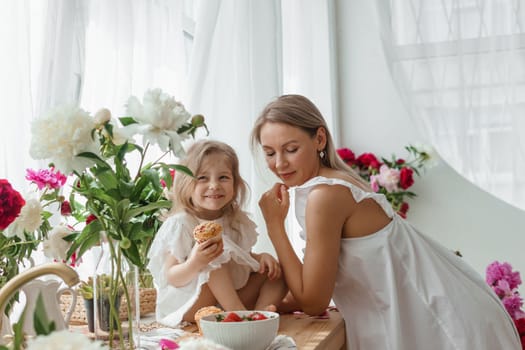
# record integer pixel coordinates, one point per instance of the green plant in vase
(120, 199)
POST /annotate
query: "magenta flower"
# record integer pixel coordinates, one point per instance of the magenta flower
(167, 344)
(502, 271)
(513, 305)
(46, 178)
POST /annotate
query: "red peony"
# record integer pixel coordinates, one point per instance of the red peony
(403, 210)
(346, 155)
(11, 202)
(520, 326)
(368, 160)
(406, 178)
(65, 208)
(90, 218)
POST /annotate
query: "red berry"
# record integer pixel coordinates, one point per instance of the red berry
(232, 317)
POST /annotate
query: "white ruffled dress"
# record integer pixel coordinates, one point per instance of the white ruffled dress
(175, 237)
(399, 290)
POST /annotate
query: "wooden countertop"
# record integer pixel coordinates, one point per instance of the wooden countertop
(312, 333)
(309, 333)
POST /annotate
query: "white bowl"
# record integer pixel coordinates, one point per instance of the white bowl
(253, 335)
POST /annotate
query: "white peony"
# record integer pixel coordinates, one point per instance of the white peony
(158, 117)
(60, 135)
(55, 247)
(64, 340)
(432, 158)
(29, 219)
(102, 116)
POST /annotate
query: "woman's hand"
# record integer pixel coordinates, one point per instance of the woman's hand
(274, 204)
(269, 265)
(204, 253)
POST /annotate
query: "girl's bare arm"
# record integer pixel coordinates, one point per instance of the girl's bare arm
(179, 274)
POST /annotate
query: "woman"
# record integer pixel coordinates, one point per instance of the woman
(396, 288)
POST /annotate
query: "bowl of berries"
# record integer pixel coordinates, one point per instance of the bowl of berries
(239, 330)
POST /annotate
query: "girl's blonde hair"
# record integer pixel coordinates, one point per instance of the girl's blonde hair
(184, 185)
(299, 112)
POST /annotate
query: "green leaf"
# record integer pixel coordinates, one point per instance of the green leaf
(99, 161)
(106, 177)
(18, 331)
(181, 168)
(153, 177)
(133, 255)
(43, 326)
(127, 121)
(140, 210)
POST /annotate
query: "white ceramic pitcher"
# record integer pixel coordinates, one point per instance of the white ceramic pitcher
(51, 292)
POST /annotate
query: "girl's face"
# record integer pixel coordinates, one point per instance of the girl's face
(291, 153)
(214, 187)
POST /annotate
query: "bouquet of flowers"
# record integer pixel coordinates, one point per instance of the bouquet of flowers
(505, 282)
(391, 177)
(108, 198)
(25, 220)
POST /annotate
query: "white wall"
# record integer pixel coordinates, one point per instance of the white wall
(447, 208)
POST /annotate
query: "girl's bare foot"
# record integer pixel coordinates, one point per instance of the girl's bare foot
(271, 308)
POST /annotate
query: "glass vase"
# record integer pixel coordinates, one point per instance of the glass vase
(116, 299)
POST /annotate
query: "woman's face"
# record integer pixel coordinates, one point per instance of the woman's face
(214, 187)
(290, 152)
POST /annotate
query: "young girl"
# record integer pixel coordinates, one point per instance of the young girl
(191, 275)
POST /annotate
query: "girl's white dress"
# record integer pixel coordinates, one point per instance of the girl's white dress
(399, 290)
(175, 237)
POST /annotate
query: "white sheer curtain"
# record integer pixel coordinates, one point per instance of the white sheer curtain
(460, 67)
(235, 70)
(245, 54)
(132, 46)
(39, 67)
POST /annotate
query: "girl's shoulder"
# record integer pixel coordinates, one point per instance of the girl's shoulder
(243, 230)
(180, 221)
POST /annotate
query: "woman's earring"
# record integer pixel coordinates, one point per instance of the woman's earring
(321, 154)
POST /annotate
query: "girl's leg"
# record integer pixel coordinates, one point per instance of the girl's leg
(218, 290)
(260, 293)
(221, 285)
(289, 304)
(271, 294)
(206, 298)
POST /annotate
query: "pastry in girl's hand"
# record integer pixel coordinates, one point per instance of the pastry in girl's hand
(206, 231)
(205, 311)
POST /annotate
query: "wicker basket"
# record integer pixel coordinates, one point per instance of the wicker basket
(147, 297)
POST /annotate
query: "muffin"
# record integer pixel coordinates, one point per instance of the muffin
(206, 231)
(205, 311)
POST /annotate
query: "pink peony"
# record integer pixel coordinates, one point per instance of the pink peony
(388, 178)
(46, 178)
(502, 271)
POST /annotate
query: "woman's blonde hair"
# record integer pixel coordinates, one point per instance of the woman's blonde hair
(299, 112)
(184, 185)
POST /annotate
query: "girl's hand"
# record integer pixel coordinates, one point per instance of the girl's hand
(274, 204)
(269, 265)
(204, 253)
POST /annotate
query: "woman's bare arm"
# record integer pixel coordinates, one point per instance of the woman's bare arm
(311, 284)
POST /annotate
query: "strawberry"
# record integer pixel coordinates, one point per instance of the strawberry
(232, 317)
(256, 316)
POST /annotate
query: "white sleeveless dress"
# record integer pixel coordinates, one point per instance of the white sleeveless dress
(175, 237)
(397, 289)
